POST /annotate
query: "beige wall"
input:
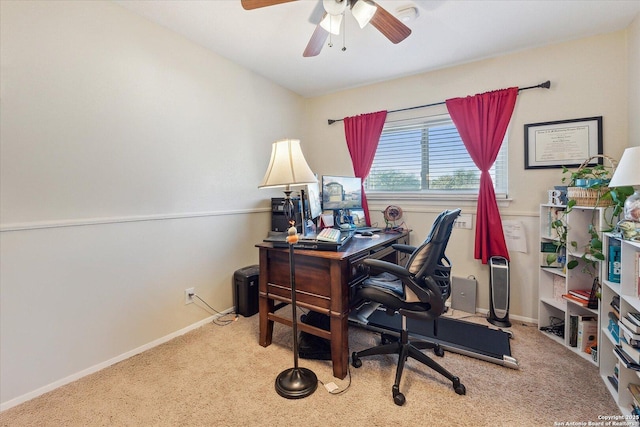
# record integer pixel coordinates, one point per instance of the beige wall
(634, 81)
(588, 78)
(130, 164)
(130, 159)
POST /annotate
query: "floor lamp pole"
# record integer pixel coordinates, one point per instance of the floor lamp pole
(296, 382)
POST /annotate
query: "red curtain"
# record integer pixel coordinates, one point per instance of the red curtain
(363, 134)
(482, 122)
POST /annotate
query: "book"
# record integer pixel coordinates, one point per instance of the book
(613, 262)
(574, 299)
(634, 389)
(549, 247)
(574, 322)
(631, 337)
(573, 330)
(629, 324)
(588, 336)
(581, 293)
(584, 297)
(632, 352)
(624, 358)
(614, 315)
(615, 303)
(614, 381)
(634, 317)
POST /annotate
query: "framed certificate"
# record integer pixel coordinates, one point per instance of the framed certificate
(563, 143)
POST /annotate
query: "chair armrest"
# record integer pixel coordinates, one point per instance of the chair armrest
(407, 249)
(379, 265)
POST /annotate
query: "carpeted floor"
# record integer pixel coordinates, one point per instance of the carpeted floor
(220, 376)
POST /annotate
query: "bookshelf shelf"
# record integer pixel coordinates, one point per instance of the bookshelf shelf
(554, 270)
(581, 326)
(559, 304)
(627, 293)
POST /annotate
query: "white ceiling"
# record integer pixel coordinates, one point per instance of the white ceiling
(270, 40)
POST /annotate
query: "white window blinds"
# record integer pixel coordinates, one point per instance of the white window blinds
(427, 155)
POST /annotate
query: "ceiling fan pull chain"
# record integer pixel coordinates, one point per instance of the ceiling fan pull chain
(331, 33)
(344, 35)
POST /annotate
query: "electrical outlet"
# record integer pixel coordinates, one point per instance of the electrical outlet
(188, 295)
(463, 221)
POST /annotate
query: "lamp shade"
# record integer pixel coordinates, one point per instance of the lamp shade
(628, 171)
(287, 166)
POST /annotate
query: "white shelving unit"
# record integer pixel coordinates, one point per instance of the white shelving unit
(555, 312)
(627, 290)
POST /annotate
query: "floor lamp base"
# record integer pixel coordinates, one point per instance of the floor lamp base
(296, 383)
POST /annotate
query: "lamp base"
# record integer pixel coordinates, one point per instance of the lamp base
(296, 383)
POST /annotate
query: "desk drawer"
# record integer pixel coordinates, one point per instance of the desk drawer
(312, 276)
(304, 299)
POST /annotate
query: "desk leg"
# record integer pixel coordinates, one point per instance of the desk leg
(266, 325)
(265, 305)
(339, 345)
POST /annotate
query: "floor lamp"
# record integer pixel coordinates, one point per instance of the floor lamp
(288, 167)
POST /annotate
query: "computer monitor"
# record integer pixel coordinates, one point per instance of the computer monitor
(341, 192)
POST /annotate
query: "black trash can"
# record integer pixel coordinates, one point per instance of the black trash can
(245, 290)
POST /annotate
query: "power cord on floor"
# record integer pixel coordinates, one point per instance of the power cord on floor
(556, 326)
(332, 388)
(217, 320)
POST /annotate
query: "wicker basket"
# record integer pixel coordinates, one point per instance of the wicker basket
(591, 196)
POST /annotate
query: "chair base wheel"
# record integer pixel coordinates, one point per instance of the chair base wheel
(355, 361)
(438, 351)
(398, 398)
(458, 387)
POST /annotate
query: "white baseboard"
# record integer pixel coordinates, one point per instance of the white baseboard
(93, 369)
(511, 317)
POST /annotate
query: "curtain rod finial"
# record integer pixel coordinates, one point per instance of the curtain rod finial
(331, 121)
(546, 84)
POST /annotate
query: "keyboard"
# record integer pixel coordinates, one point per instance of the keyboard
(332, 235)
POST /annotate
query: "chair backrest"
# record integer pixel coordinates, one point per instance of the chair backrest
(429, 259)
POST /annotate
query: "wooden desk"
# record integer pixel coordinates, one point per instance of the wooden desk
(325, 281)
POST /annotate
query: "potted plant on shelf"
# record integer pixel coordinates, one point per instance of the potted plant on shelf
(588, 186)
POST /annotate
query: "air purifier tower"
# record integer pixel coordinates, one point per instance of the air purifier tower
(499, 292)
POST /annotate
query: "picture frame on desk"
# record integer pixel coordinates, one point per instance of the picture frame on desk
(357, 216)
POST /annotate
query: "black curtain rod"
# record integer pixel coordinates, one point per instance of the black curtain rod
(545, 85)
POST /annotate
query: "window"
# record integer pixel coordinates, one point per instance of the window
(427, 156)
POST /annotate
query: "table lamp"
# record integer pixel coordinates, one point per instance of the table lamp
(628, 174)
(288, 167)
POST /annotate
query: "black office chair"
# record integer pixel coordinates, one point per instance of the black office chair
(418, 290)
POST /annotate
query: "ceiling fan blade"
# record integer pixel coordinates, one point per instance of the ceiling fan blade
(255, 4)
(318, 38)
(390, 26)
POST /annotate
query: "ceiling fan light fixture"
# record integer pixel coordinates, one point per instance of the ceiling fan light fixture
(407, 14)
(331, 23)
(363, 11)
(334, 7)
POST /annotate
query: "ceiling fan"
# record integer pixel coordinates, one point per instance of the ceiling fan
(365, 11)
